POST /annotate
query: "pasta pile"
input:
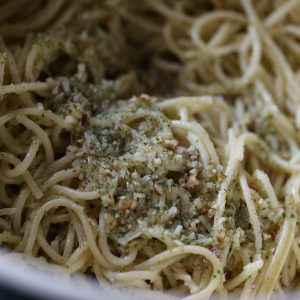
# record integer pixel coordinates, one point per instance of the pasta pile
(155, 143)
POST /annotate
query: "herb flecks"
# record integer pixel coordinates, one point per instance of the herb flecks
(144, 175)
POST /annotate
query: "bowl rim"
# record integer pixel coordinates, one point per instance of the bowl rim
(25, 275)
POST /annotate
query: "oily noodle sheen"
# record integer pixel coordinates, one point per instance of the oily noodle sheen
(236, 67)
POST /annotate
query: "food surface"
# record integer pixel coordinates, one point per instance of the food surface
(154, 143)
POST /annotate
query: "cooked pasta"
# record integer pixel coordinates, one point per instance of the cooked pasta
(154, 144)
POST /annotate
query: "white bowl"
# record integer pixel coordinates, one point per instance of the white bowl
(28, 276)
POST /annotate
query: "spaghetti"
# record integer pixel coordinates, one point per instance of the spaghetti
(193, 190)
